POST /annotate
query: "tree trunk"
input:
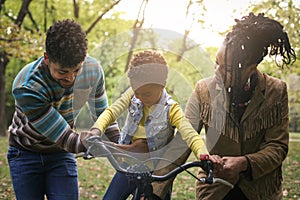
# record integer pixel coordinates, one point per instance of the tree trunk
(2, 2)
(3, 64)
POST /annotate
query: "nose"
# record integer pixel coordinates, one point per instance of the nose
(70, 77)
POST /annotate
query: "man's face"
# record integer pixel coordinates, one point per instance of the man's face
(230, 70)
(63, 75)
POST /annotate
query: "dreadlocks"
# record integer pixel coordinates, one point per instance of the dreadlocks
(251, 39)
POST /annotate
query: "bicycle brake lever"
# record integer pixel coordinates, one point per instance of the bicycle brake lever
(87, 155)
(84, 155)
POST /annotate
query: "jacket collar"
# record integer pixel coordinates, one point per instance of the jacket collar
(256, 100)
(258, 96)
(157, 108)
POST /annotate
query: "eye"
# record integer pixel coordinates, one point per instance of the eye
(78, 70)
(62, 72)
(216, 64)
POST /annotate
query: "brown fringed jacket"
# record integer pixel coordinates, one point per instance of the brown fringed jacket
(261, 135)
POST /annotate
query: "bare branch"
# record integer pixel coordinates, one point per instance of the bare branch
(11, 40)
(23, 11)
(138, 24)
(192, 15)
(9, 17)
(33, 21)
(76, 9)
(101, 16)
(45, 15)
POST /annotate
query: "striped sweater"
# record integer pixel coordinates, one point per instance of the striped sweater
(45, 112)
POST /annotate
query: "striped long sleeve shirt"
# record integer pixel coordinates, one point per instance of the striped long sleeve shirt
(46, 112)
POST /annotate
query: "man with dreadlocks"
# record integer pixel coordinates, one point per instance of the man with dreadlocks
(245, 112)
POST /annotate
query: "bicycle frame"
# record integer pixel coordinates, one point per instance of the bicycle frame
(140, 172)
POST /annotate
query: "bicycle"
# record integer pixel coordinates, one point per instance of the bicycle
(140, 171)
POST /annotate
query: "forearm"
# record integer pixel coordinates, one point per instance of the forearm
(267, 159)
(114, 111)
(188, 133)
(104, 120)
(112, 132)
(71, 141)
(274, 147)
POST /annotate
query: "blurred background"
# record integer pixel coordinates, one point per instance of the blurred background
(187, 32)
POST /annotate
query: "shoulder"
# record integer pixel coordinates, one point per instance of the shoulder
(175, 109)
(91, 64)
(273, 81)
(205, 83)
(31, 76)
(91, 60)
(205, 87)
(92, 71)
(273, 85)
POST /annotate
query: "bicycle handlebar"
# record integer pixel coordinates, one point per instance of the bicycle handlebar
(98, 148)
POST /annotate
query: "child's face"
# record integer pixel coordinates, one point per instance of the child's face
(149, 94)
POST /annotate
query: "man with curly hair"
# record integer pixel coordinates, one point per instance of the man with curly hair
(42, 138)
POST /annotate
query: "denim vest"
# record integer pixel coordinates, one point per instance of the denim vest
(158, 129)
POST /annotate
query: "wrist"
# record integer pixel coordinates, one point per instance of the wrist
(244, 163)
(96, 131)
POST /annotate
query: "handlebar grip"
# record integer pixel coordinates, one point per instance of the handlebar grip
(204, 157)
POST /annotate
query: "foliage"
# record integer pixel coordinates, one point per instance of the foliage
(110, 40)
(287, 12)
(26, 43)
(21, 46)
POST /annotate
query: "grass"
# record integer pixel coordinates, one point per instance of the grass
(95, 175)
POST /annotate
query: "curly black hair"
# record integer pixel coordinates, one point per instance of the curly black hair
(147, 67)
(66, 43)
(147, 57)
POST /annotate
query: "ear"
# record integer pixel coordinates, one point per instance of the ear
(46, 58)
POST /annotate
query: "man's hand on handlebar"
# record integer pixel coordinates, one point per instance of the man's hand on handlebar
(232, 168)
(84, 135)
(217, 163)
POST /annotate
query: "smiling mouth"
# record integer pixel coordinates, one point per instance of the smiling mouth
(65, 83)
